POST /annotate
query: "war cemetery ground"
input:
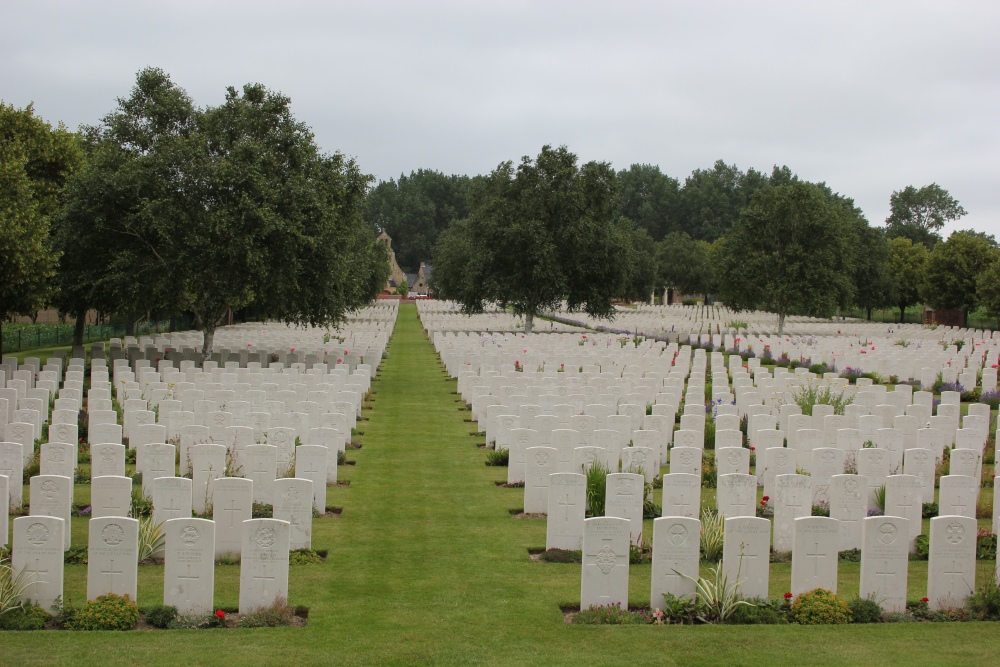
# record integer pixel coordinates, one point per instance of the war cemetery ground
(557, 454)
(450, 540)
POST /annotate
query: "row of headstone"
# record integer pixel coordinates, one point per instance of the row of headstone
(190, 551)
(746, 552)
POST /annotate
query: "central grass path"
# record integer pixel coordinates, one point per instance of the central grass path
(426, 566)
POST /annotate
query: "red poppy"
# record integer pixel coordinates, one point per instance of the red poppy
(925, 599)
(220, 614)
(788, 596)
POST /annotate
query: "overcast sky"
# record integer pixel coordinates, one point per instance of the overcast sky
(867, 96)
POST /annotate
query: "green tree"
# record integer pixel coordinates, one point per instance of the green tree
(788, 250)
(415, 210)
(403, 288)
(988, 288)
(920, 214)
(906, 265)
(711, 199)
(685, 264)
(35, 161)
(953, 270)
(217, 208)
(872, 282)
(649, 198)
(538, 234)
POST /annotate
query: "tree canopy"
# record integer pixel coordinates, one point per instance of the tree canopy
(539, 234)
(208, 209)
(35, 161)
(788, 250)
(918, 214)
(906, 265)
(686, 264)
(953, 269)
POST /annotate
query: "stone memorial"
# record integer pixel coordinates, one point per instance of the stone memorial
(38, 546)
(171, 498)
(189, 565)
(262, 468)
(676, 553)
(264, 564)
(293, 499)
(208, 463)
(849, 505)
(107, 460)
(112, 555)
(746, 554)
(52, 495)
(311, 463)
(233, 501)
(737, 495)
(604, 575)
(624, 499)
(681, 495)
(110, 495)
(793, 500)
(951, 572)
(884, 561)
(540, 462)
(815, 556)
(567, 504)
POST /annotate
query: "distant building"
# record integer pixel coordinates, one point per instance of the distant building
(396, 275)
(421, 285)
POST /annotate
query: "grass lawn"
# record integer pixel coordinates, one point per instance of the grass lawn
(427, 566)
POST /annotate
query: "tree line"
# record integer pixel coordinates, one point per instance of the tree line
(546, 230)
(165, 207)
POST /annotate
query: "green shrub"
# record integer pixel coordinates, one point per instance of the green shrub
(930, 510)
(277, 615)
(613, 615)
(160, 616)
(821, 607)
(897, 617)
(34, 466)
(676, 611)
(986, 546)
(597, 485)
(108, 612)
(304, 557)
(498, 457)
(850, 556)
(865, 610)
(763, 612)
(561, 556)
(709, 471)
(709, 442)
(76, 555)
(151, 539)
(28, 617)
(712, 533)
(262, 511)
(341, 458)
(922, 548)
(984, 604)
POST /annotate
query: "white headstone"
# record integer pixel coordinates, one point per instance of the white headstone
(676, 551)
(567, 504)
(903, 494)
(604, 578)
(849, 505)
(233, 501)
(112, 555)
(261, 467)
(681, 495)
(814, 558)
(110, 496)
(311, 463)
(208, 463)
(951, 572)
(107, 459)
(189, 565)
(540, 462)
(737, 495)
(624, 499)
(793, 500)
(957, 496)
(38, 552)
(884, 554)
(293, 503)
(171, 498)
(264, 563)
(746, 554)
(52, 495)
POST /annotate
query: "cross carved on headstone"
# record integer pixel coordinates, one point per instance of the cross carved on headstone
(566, 504)
(111, 572)
(172, 510)
(951, 575)
(683, 505)
(232, 512)
(37, 570)
(885, 574)
(188, 577)
(265, 579)
(816, 555)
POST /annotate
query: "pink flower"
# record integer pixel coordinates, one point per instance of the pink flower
(525, 351)
(584, 335)
(293, 349)
(249, 344)
(993, 366)
(346, 351)
(340, 360)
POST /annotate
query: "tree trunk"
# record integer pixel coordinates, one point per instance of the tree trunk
(206, 349)
(1, 334)
(781, 324)
(130, 328)
(529, 320)
(902, 314)
(81, 321)
(870, 313)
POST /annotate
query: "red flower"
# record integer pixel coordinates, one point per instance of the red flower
(766, 498)
(219, 613)
(925, 599)
(753, 449)
(788, 596)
